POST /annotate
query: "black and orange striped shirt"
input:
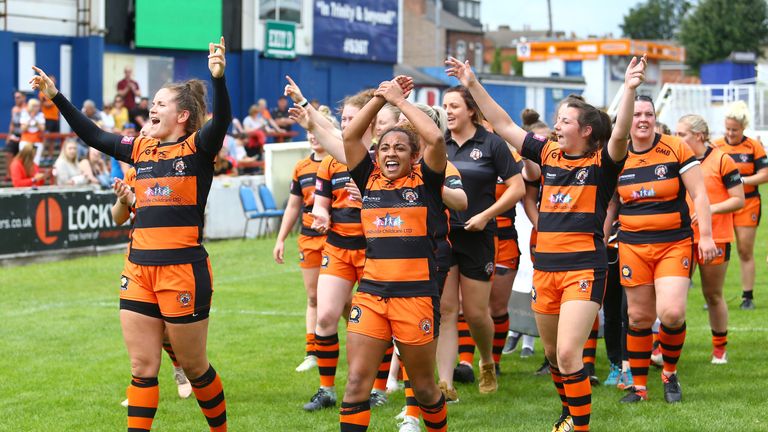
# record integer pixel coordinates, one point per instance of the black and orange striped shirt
(574, 198)
(173, 180)
(346, 231)
(652, 193)
(398, 218)
(749, 156)
(303, 185)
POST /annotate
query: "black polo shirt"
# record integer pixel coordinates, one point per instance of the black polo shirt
(481, 160)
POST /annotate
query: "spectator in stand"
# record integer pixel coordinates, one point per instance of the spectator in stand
(119, 112)
(24, 170)
(224, 164)
(107, 119)
(95, 166)
(66, 170)
(14, 128)
(256, 125)
(90, 111)
(128, 88)
(32, 123)
(50, 112)
(280, 115)
(140, 113)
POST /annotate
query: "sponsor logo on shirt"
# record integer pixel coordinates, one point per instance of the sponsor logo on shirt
(127, 140)
(319, 185)
(388, 221)
(643, 193)
(560, 198)
(158, 191)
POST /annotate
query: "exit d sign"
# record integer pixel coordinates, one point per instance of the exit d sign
(280, 40)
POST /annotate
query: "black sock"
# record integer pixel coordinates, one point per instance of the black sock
(746, 295)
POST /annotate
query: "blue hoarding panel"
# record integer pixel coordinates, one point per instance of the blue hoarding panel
(359, 29)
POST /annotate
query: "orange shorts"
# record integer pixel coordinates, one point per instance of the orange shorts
(177, 293)
(311, 251)
(723, 254)
(508, 254)
(344, 263)
(749, 215)
(552, 289)
(410, 320)
(642, 264)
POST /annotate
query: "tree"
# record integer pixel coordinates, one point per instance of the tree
(719, 27)
(655, 19)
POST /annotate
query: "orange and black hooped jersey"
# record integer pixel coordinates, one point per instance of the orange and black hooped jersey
(303, 185)
(346, 231)
(172, 181)
(481, 159)
(398, 218)
(574, 198)
(652, 193)
(505, 222)
(720, 174)
(749, 156)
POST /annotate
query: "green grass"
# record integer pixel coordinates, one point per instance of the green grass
(64, 366)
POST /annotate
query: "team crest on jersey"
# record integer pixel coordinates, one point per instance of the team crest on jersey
(318, 185)
(475, 154)
(179, 166)
(533, 294)
(301, 256)
(743, 158)
(123, 283)
(185, 298)
(560, 198)
(489, 268)
(426, 326)
(584, 285)
(324, 262)
(581, 176)
(626, 272)
(354, 314)
(661, 171)
(719, 252)
(686, 262)
(754, 217)
(410, 195)
(387, 221)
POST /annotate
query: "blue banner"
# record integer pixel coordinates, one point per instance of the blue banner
(356, 29)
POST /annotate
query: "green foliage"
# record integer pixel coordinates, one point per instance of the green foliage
(718, 27)
(498, 61)
(64, 365)
(655, 19)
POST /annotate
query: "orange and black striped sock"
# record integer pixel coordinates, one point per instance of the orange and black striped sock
(169, 349)
(380, 383)
(672, 341)
(590, 346)
(310, 344)
(143, 396)
(639, 347)
(355, 416)
(210, 396)
(411, 405)
(579, 393)
(435, 416)
(466, 343)
(719, 340)
(557, 379)
(500, 330)
(327, 352)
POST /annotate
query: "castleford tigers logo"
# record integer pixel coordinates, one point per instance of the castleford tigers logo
(754, 217)
(533, 294)
(354, 314)
(661, 171)
(123, 283)
(581, 176)
(324, 262)
(686, 262)
(475, 154)
(301, 256)
(583, 285)
(426, 326)
(410, 195)
(626, 272)
(185, 298)
(489, 268)
(719, 252)
(48, 221)
(743, 158)
(179, 166)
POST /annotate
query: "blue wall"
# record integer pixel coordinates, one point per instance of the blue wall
(510, 97)
(725, 72)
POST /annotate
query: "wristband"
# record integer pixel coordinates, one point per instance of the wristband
(303, 103)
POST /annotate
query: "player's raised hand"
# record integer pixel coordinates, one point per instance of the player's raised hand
(44, 83)
(293, 91)
(216, 60)
(462, 71)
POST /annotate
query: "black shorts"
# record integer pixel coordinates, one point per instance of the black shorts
(474, 252)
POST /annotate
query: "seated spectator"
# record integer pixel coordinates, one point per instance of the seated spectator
(140, 113)
(281, 116)
(119, 168)
(107, 118)
(24, 170)
(32, 122)
(95, 166)
(119, 113)
(224, 164)
(14, 128)
(66, 170)
(255, 126)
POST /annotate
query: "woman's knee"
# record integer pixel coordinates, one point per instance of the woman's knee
(673, 316)
(145, 365)
(569, 357)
